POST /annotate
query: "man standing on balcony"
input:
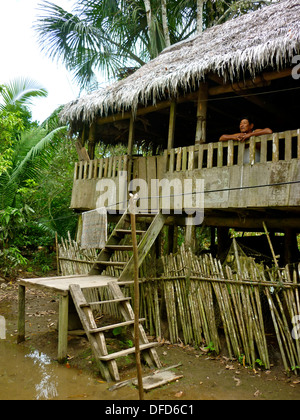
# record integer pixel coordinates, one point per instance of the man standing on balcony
(247, 131)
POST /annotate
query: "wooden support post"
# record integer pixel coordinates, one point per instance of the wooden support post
(132, 208)
(92, 141)
(130, 136)
(130, 147)
(81, 151)
(201, 114)
(190, 235)
(172, 121)
(223, 241)
(63, 328)
(291, 253)
(21, 315)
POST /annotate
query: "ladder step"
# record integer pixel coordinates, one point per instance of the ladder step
(101, 302)
(128, 232)
(112, 263)
(111, 327)
(119, 247)
(127, 351)
(146, 214)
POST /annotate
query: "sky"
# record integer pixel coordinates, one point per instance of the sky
(20, 56)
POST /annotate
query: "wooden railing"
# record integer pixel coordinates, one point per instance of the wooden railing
(109, 167)
(269, 148)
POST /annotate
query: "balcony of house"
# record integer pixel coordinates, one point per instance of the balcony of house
(260, 174)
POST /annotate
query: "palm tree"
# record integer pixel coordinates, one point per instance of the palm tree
(30, 157)
(110, 35)
(15, 116)
(20, 92)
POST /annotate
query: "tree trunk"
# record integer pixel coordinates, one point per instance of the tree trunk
(151, 31)
(148, 13)
(200, 4)
(165, 22)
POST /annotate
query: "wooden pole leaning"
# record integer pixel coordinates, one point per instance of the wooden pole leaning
(132, 209)
(21, 314)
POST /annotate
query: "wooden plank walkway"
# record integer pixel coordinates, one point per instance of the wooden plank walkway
(61, 284)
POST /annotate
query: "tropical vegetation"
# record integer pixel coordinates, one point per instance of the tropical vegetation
(29, 155)
(110, 38)
(114, 37)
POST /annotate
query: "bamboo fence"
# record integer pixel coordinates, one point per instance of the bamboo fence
(205, 303)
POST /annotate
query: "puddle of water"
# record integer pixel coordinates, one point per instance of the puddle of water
(32, 375)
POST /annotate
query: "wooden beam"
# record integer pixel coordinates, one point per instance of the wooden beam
(130, 136)
(63, 328)
(21, 314)
(92, 141)
(254, 222)
(262, 79)
(81, 151)
(201, 113)
(172, 121)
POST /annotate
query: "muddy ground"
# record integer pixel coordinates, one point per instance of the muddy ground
(205, 376)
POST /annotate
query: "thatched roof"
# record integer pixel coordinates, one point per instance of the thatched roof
(245, 45)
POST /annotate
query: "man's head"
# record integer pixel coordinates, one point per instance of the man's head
(246, 125)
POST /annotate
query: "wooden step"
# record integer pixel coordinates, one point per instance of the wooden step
(122, 232)
(101, 302)
(112, 263)
(127, 351)
(146, 214)
(119, 247)
(113, 326)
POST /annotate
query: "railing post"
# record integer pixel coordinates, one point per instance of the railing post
(275, 149)
(220, 155)
(252, 149)
(288, 146)
(241, 153)
(230, 153)
(210, 151)
(263, 149)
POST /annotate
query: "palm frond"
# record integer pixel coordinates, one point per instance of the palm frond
(21, 91)
(29, 166)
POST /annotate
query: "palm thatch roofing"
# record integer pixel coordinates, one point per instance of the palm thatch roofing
(267, 38)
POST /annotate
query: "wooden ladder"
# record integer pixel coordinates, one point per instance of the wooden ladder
(116, 240)
(107, 362)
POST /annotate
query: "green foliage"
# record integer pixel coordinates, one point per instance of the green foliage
(113, 36)
(10, 125)
(35, 179)
(11, 220)
(20, 92)
(11, 258)
(210, 348)
(117, 331)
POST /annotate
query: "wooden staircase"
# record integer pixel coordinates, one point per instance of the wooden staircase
(107, 362)
(118, 241)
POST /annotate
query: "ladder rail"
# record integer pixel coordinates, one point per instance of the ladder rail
(107, 362)
(144, 245)
(97, 341)
(106, 253)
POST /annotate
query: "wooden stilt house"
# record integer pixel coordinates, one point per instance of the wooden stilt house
(180, 103)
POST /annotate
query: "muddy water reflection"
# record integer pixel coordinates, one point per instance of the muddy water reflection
(32, 375)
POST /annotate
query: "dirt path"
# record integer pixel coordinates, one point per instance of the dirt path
(204, 377)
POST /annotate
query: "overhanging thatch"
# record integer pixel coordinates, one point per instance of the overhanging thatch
(266, 38)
